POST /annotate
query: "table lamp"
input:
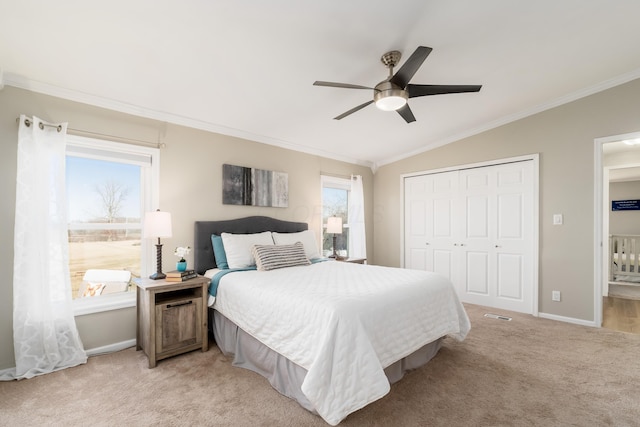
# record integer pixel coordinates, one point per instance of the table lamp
(156, 225)
(334, 226)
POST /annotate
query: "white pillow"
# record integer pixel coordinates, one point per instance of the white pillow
(238, 247)
(307, 237)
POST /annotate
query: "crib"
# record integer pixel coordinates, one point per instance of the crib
(624, 254)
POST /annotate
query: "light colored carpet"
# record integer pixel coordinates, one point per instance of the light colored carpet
(625, 291)
(524, 372)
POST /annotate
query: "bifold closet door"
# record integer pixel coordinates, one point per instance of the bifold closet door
(431, 204)
(475, 226)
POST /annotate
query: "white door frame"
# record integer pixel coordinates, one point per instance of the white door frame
(600, 239)
(536, 209)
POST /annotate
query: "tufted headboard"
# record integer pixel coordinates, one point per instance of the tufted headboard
(203, 249)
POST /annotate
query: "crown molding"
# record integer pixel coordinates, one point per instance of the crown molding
(110, 104)
(122, 107)
(574, 96)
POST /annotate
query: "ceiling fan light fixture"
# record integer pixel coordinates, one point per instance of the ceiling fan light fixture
(391, 100)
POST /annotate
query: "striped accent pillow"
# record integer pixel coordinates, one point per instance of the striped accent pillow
(270, 257)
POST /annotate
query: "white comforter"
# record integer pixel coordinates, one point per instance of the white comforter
(342, 322)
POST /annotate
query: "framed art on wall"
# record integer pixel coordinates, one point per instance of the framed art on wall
(254, 187)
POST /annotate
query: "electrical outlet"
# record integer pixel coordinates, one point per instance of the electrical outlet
(555, 295)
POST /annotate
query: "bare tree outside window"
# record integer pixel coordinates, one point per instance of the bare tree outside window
(113, 195)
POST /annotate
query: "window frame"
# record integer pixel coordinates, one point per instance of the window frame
(149, 160)
(328, 181)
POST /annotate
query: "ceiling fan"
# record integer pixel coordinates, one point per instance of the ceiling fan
(392, 93)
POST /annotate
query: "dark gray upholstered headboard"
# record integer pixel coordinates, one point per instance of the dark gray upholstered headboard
(203, 251)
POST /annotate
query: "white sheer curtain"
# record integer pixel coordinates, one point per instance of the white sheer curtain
(44, 330)
(357, 235)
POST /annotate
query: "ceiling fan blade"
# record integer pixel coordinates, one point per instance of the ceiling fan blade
(342, 85)
(425, 90)
(353, 110)
(411, 65)
(406, 113)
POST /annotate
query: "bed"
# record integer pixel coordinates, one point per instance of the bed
(331, 335)
(624, 255)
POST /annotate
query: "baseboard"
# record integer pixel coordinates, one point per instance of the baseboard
(111, 348)
(573, 320)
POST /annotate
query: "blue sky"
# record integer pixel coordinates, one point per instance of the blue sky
(84, 175)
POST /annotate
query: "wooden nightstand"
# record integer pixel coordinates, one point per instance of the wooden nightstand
(172, 317)
(353, 260)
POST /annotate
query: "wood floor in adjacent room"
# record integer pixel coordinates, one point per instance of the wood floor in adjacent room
(620, 314)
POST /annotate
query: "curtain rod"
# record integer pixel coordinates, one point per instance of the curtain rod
(80, 132)
(41, 125)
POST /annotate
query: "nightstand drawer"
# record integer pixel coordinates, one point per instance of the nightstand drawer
(178, 324)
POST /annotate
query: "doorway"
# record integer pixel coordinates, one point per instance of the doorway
(617, 163)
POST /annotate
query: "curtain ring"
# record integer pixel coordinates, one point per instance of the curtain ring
(59, 128)
(41, 125)
(27, 122)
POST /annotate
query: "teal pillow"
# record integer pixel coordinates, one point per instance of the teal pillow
(219, 253)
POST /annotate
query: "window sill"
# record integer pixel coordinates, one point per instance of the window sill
(83, 306)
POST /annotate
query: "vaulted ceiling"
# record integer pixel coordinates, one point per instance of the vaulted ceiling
(246, 68)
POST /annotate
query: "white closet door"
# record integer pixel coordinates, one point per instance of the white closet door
(475, 226)
(496, 262)
(430, 231)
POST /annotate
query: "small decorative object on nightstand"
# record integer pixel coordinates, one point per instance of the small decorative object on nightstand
(172, 317)
(181, 251)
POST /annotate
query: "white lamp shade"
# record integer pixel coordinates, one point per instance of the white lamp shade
(334, 225)
(157, 224)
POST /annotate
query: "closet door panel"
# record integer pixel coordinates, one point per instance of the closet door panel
(477, 273)
(443, 262)
(477, 217)
(510, 277)
(510, 216)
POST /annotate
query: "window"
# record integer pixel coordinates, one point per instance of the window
(109, 187)
(335, 202)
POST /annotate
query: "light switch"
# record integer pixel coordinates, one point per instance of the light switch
(557, 219)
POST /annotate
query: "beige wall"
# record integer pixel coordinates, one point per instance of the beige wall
(564, 138)
(190, 188)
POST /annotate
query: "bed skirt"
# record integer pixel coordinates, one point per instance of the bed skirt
(284, 375)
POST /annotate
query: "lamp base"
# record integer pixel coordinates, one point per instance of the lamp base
(157, 276)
